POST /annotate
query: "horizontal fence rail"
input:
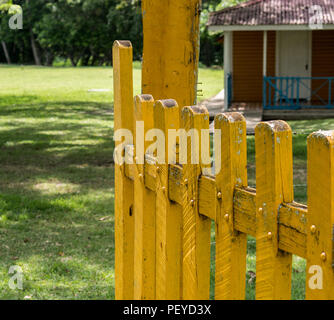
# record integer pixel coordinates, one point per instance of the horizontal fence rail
(298, 92)
(164, 209)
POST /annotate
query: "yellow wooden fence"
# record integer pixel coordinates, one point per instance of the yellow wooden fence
(163, 212)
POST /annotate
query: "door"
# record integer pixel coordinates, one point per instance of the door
(295, 60)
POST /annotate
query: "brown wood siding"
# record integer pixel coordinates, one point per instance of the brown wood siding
(248, 64)
(322, 61)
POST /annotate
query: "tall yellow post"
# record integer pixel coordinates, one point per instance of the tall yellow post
(171, 49)
(124, 223)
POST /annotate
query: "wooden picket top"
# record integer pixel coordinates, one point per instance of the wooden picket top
(166, 198)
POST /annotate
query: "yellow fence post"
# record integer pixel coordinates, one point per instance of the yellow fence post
(196, 228)
(168, 214)
(124, 224)
(274, 185)
(231, 245)
(171, 49)
(320, 232)
(144, 205)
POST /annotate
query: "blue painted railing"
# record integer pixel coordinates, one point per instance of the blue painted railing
(284, 93)
(229, 89)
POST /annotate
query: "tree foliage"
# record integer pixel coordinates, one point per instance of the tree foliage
(83, 31)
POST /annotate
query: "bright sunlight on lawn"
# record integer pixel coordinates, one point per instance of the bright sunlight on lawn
(56, 186)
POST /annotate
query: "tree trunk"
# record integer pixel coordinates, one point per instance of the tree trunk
(35, 50)
(4, 47)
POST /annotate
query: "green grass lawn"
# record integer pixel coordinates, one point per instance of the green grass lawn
(56, 186)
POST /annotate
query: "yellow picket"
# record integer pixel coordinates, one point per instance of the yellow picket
(320, 238)
(274, 185)
(231, 245)
(144, 205)
(196, 228)
(124, 220)
(168, 214)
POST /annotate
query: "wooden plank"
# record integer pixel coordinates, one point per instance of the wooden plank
(150, 169)
(320, 176)
(274, 185)
(292, 228)
(244, 210)
(171, 49)
(129, 168)
(144, 206)
(196, 228)
(231, 245)
(176, 183)
(168, 214)
(207, 197)
(124, 220)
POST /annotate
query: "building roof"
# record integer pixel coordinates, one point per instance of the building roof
(272, 12)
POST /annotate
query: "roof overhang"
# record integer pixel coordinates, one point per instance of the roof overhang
(222, 28)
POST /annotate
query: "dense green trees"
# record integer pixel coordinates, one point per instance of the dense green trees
(83, 31)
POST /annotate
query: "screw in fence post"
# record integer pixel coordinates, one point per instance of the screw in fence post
(168, 214)
(144, 206)
(124, 222)
(196, 228)
(274, 185)
(320, 220)
(231, 246)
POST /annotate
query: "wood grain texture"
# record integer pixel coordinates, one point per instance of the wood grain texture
(196, 228)
(231, 245)
(320, 213)
(144, 207)
(176, 183)
(292, 228)
(207, 197)
(274, 185)
(171, 49)
(124, 220)
(168, 214)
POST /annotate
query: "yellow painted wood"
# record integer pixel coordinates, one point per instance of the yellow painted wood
(274, 185)
(196, 228)
(168, 214)
(124, 220)
(292, 228)
(244, 210)
(231, 246)
(144, 207)
(207, 197)
(176, 183)
(150, 169)
(171, 49)
(320, 213)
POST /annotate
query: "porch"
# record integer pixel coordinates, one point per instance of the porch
(281, 70)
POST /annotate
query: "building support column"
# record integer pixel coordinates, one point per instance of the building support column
(265, 52)
(228, 62)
